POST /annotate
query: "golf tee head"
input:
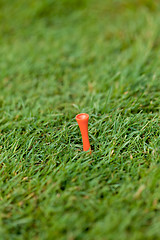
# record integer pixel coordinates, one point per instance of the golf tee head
(82, 120)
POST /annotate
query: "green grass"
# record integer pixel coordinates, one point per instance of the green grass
(60, 58)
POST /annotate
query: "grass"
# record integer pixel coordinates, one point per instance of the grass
(60, 58)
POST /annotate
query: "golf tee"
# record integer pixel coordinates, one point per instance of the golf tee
(82, 120)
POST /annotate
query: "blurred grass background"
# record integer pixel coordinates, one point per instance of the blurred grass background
(60, 58)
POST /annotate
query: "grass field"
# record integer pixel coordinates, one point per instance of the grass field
(58, 59)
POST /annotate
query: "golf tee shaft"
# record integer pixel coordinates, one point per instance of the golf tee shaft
(85, 139)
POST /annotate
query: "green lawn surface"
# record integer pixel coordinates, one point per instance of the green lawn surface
(59, 58)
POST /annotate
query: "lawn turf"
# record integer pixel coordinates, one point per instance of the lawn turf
(60, 58)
